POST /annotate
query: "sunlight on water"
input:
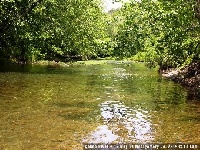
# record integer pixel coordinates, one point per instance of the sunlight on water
(121, 73)
(115, 102)
(102, 134)
(121, 124)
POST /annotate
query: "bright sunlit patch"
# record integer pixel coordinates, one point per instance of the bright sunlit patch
(111, 4)
(121, 123)
(102, 134)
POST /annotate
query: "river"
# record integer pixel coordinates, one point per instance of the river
(52, 107)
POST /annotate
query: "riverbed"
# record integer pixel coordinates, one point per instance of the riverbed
(53, 107)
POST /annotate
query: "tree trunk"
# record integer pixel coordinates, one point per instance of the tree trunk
(197, 10)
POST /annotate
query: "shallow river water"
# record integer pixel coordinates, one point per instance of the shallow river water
(48, 107)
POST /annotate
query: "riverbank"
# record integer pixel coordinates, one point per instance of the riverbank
(67, 64)
(188, 76)
(87, 62)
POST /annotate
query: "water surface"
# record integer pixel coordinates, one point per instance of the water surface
(49, 107)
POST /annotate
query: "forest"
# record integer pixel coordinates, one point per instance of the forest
(73, 73)
(158, 32)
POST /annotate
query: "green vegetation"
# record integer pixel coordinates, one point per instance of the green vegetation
(50, 30)
(164, 33)
(158, 32)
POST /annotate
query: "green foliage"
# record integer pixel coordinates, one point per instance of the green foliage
(51, 29)
(167, 32)
(158, 32)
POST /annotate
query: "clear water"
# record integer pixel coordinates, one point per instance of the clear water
(50, 107)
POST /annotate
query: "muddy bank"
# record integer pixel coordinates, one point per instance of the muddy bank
(188, 76)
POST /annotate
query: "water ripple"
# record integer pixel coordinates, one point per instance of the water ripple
(122, 124)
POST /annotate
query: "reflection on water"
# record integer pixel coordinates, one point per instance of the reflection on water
(60, 107)
(102, 134)
(122, 124)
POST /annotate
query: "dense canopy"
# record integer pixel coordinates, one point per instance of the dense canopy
(158, 32)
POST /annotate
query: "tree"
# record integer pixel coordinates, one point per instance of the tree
(167, 32)
(49, 29)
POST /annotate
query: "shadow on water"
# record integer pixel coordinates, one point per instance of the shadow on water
(42, 107)
(15, 68)
(40, 69)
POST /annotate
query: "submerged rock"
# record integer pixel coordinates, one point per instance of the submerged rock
(170, 74)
